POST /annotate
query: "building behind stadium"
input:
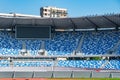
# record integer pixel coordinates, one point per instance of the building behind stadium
(49, 11)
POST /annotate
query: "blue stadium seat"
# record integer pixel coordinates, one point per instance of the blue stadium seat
(4, 63)
(63, 43)
(98, 43)
(94, 64)
(9, 45)
(33, 63)
(33, 46)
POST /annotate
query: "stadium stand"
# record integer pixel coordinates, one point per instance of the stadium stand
(63, 43)
(69, 48)
(99, 43)
(4, 63)
(33, 63)
(83, 64)
(9, 45)
(94, 64)
(33, 46)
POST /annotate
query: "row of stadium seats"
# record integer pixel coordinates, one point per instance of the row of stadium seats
(33, 64)
(33, 46)
(63, 43)
(104, 64)
(99, 42)
(9, 45)
(4, 63)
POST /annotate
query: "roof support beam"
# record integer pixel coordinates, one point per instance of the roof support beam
(74, 25)
(53, 22)
(13, 25)
(53, 25)
(33, 22)
(117, 25)
(96, 26)
(13, 22)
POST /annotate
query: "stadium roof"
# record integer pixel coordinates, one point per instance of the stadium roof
(89, 22)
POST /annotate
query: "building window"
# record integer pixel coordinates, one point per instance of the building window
(45, 9)
(45, 13)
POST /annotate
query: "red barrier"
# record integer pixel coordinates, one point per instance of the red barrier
(21, 79)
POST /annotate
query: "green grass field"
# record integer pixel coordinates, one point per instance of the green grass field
(84, 79)
(59, 78)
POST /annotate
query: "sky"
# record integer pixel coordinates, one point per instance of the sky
(76, 8)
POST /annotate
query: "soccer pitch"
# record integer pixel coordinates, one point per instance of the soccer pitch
(83, 79)
(59, 78)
